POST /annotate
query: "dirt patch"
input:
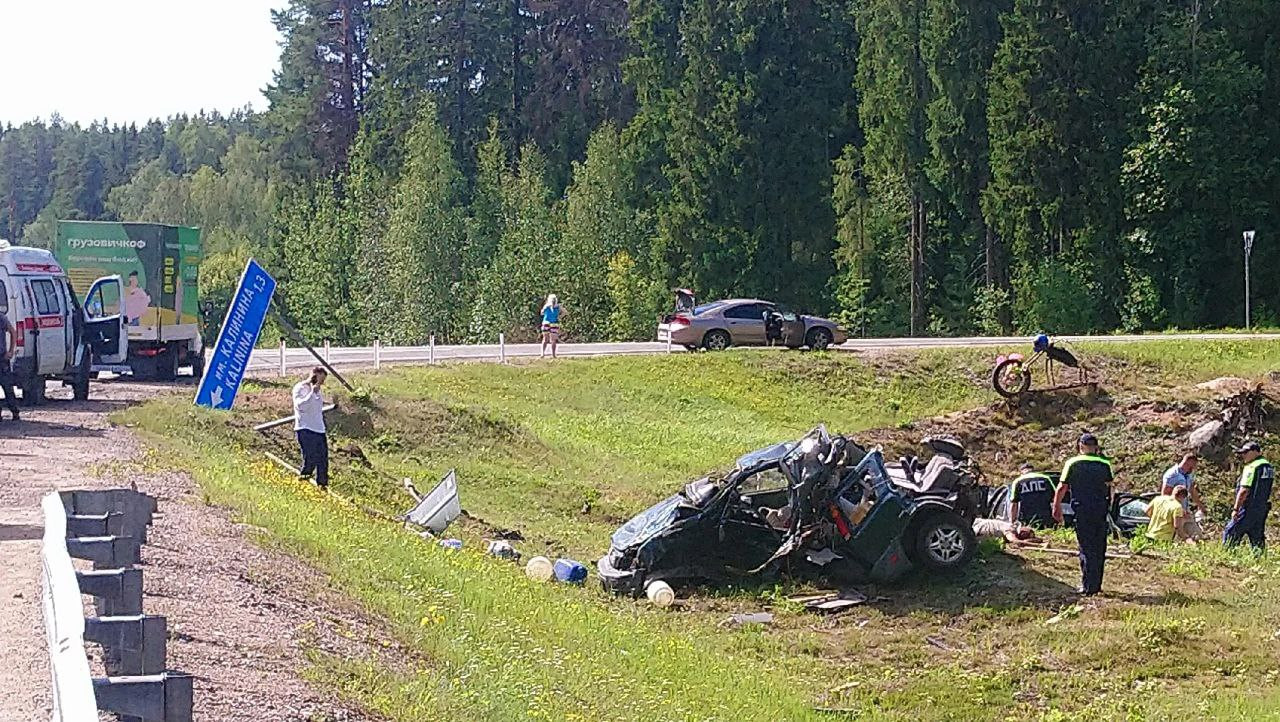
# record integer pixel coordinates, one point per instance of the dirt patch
(1144, 435)
(241, 617)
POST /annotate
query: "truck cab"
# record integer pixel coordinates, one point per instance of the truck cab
(56, 339)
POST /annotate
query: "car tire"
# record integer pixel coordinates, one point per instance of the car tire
(819, 339)
(944, 542)
(716, 340)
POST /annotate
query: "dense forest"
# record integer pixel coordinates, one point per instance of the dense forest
(909, 166)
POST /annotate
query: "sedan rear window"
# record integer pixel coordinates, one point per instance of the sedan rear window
(699, 310)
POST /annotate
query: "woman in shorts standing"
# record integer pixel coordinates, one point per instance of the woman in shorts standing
(551, 312)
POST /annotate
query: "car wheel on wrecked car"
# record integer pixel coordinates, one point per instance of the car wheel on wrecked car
(944, 542)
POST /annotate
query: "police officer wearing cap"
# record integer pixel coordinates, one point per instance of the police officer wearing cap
(1253, 499)
(1031, 498)
(1088, 475)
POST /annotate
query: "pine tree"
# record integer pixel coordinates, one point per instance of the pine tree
(1194, 174)
(959, 44)
(894, 91)
(318, 93)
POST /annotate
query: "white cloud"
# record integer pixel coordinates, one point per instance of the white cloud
(131, 60)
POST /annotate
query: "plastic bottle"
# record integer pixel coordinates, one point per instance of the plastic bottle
(539, 568)
(570, 571)
(503, 550)
(454, 544)
(660, 593)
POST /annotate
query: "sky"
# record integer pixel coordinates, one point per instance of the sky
(132, 60)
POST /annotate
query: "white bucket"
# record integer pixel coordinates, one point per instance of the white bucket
(660, 593)
(540, 569)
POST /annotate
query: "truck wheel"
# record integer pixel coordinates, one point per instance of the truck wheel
(33, 391)
(80, 387)
(167, 364)
(143, 368)
(944, 542)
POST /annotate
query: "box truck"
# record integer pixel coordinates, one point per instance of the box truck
(159, 301)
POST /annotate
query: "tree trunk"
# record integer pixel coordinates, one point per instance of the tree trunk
(915, 260)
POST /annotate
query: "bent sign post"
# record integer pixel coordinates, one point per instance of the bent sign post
(239, 334)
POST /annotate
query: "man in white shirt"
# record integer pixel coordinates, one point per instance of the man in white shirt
(308, 423)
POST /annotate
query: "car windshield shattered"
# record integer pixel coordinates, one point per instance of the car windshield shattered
(822, 505)
(648, 523)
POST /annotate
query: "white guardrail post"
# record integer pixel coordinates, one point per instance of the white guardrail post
(377, 354)
(431, 350)
(284, 370)
(326, 351)
(502, 348)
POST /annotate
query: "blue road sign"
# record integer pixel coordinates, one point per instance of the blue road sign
(225, 370)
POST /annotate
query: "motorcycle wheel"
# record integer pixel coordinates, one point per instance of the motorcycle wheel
(1011, 378)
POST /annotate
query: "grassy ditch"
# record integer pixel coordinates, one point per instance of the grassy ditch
(564, 452)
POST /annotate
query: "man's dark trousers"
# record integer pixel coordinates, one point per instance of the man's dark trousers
(1091, 533)
(315, 455)
(1252, 524)
(6, 386)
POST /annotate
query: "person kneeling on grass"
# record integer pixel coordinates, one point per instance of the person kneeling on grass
(308, 423)
(1169, 519)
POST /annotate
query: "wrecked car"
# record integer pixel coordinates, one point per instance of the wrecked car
(1128, 509)
(821, 506)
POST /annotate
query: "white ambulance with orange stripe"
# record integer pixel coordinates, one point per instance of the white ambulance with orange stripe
(56, 339)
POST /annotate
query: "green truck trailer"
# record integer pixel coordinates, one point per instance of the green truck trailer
(158, 266)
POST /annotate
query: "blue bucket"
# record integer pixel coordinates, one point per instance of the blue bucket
(570, 571)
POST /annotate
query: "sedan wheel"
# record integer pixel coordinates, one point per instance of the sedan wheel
(819, 339)
(716, 340)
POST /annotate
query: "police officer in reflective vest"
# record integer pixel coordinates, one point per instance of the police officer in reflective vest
(1088, 475)
(1253, 499)
(1031, 498)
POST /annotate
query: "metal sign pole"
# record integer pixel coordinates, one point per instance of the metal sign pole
(297, 335)
(1248, 250)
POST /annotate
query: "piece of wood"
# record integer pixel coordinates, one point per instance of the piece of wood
(286, 419)
(293, 469)
(1073, 552)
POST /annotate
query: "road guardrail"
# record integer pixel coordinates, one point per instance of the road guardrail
(106, 527)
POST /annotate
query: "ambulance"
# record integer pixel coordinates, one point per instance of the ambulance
(58, 338)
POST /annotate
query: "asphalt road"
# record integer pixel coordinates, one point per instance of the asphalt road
(266, 360)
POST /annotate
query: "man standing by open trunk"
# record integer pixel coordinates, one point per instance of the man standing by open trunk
(308, 423)
(1088, 476)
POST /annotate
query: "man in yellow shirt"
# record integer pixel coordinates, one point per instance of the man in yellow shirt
(1168, 516)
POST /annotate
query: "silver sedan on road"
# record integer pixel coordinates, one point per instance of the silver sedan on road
(745, 322)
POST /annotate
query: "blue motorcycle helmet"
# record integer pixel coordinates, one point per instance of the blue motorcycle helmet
(1040, 343)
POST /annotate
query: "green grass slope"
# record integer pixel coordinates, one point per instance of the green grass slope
(564, 452)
